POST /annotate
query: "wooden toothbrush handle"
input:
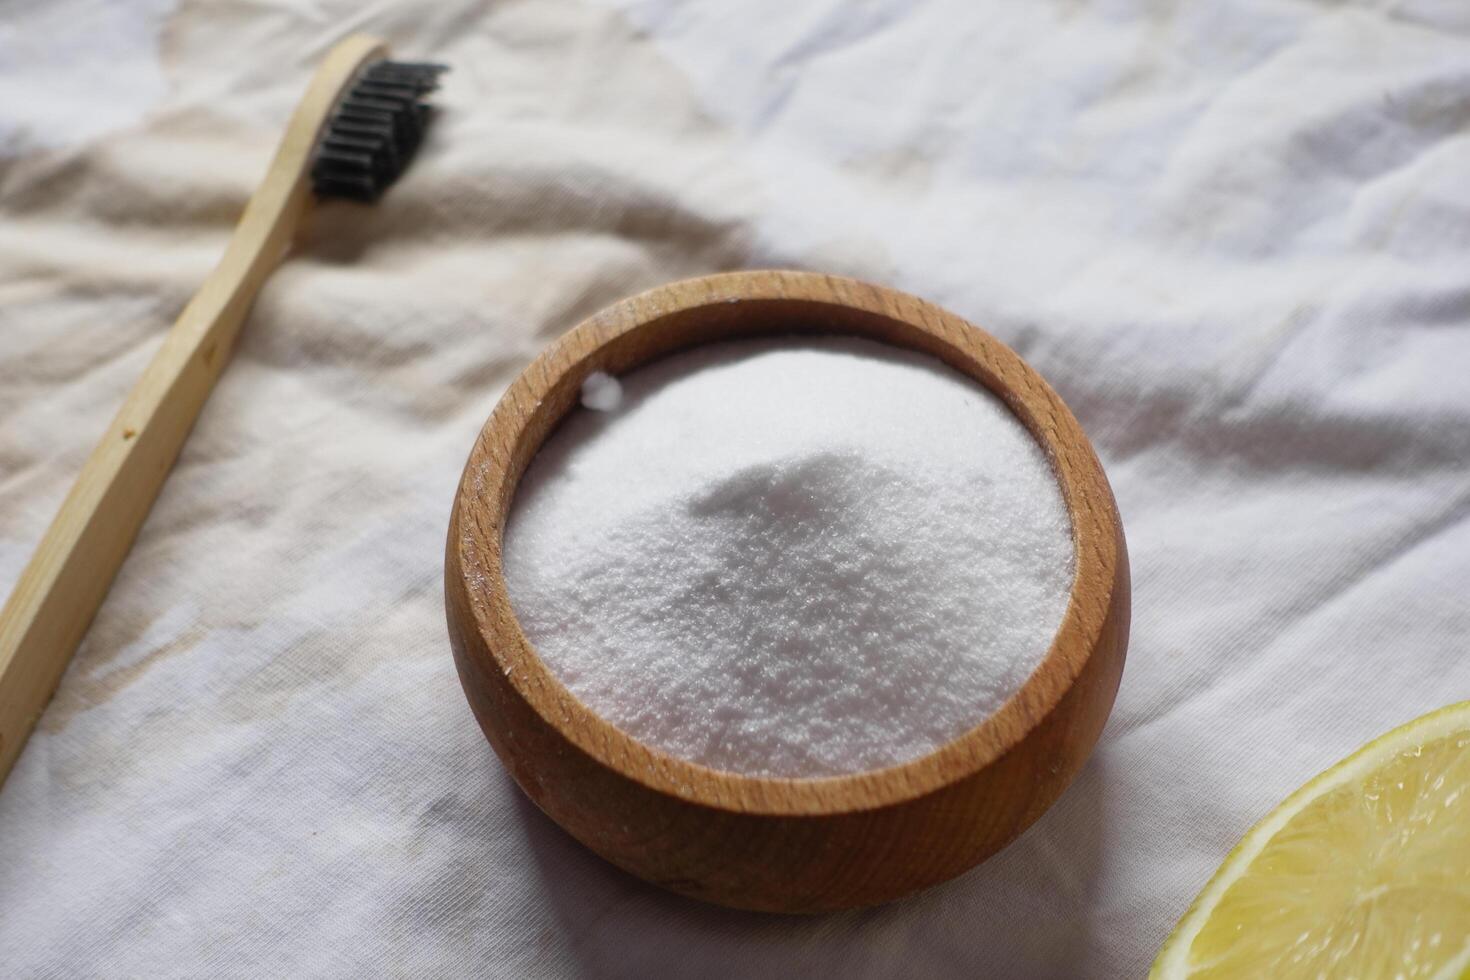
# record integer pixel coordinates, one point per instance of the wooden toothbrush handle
(61, 588)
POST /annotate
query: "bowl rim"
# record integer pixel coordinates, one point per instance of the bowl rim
(545, 391)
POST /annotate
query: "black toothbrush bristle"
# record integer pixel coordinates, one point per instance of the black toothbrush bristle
(374, 130)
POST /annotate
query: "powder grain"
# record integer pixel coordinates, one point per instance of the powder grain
(791, 557)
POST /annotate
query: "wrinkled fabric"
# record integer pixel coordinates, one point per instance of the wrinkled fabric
(1234, 237)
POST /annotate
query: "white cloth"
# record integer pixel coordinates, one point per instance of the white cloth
(1234, 236)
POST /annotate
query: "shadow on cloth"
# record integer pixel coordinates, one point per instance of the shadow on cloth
(1027, 912)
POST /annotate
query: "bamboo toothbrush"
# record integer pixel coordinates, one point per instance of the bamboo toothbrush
(352, 135)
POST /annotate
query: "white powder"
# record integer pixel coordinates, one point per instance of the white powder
(791, 557)
(601, 392)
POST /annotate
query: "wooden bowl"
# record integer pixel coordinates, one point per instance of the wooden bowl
(784, 845)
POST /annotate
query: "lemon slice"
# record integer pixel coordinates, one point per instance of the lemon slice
(1363, 872)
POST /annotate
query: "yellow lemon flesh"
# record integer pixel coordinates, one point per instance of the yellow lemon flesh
(1363, 872)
